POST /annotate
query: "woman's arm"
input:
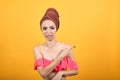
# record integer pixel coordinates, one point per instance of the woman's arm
(66, 72)
(70, 72)
(44, 71)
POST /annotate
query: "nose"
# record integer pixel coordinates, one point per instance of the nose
(48, 31)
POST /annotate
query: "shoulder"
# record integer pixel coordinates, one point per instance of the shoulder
(66, 45)
(37, 47)
(36, 51)
(71, 55)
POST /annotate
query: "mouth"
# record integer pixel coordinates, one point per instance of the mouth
(49, 36)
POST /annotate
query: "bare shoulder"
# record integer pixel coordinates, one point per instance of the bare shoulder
(71, 55)
(36, 47)
(64, 45)
(36, 51)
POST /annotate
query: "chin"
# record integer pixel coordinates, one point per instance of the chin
(49, 39)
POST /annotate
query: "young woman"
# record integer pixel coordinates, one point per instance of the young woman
(53, 60)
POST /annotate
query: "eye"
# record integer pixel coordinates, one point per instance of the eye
(44, 28)
(51, 27)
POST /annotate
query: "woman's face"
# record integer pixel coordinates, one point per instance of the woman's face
(48, 29)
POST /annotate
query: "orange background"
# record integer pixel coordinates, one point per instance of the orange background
(92, 25)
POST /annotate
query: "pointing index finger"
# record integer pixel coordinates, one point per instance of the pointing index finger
(72, 47)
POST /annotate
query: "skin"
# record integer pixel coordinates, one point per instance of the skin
(53, 50)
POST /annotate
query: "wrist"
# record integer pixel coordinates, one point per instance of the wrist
(62, 72)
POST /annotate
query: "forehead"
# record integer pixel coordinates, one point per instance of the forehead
(48, 23)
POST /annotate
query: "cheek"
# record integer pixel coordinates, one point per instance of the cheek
(54, 31)
(43, 31)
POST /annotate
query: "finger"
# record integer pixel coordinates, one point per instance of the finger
(60, 51)
(72, 47)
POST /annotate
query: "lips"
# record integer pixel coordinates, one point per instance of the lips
(48, 36)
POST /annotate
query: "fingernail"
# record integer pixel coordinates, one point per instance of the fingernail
(74, 46)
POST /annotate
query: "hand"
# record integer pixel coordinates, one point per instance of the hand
(58, 76)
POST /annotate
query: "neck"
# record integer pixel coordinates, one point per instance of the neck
(51, 43)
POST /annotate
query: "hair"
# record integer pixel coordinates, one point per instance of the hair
(51, 14)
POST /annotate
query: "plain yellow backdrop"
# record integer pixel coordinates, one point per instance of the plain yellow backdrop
(91, 25)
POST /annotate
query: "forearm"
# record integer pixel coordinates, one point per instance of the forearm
(69, 72)
(64, 73)
(50, 67)
(46, 70)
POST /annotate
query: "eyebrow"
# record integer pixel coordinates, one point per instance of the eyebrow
(44, 26)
